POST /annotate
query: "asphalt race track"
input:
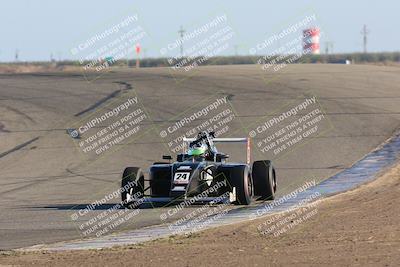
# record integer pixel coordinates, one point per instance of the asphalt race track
(45, 178)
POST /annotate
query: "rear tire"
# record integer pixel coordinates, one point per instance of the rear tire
(132, 186)
(264, 179)
(242, 182)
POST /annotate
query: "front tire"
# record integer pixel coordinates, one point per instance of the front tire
(242, 183)
(264, 179)
(132, 186)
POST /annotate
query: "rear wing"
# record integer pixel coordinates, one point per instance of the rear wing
(246, 140)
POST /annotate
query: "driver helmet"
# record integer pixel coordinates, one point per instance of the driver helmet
(197, 149)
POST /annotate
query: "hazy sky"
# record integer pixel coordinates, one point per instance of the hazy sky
(38, 28)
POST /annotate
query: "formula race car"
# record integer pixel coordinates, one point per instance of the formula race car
(200, 174)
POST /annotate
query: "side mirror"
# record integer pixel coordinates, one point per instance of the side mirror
(167, 157)
(220, 157)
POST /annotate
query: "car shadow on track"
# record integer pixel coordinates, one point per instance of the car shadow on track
(90, 206)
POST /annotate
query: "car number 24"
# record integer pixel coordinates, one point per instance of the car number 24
(181, 177)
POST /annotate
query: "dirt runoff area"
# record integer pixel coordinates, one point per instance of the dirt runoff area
(359, 228)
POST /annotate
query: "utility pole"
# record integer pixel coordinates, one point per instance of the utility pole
(236, 49)
(181, 32)
(365, 33)
(16, 55)
(329, 48)
(326, 48)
